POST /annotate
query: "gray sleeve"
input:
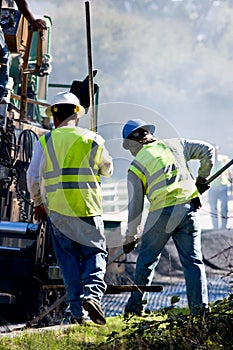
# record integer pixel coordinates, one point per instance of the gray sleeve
(202, 151)
(106, 166)
(33, 174)
(106, 163)
(135, 203)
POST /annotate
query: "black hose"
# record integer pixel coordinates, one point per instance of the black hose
(27, 139)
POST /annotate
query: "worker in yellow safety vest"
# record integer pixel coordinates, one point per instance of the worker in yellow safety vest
(160, 172)
(64, 182)
(218, 192)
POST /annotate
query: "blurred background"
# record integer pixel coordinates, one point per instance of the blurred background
(172, 56)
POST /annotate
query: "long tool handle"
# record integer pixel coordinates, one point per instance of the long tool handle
(90, 69)
(219, 172)
(47, 311)
(116, 256)
(112, 289)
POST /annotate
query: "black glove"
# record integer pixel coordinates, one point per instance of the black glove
(196, 202)
(130, 243)
(201, 184)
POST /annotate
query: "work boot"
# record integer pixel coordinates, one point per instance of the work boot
(129, 312)
(73, 320)
(94, 311)
(203, 310)
(70, 319)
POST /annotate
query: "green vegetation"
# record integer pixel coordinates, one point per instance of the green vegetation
(165, 329)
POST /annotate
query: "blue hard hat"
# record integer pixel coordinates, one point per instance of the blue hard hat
(135, 124)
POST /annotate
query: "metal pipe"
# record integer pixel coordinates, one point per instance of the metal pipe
(7, 227)
(112, 289)
(19, 228)
(30, 100)
(90, 69)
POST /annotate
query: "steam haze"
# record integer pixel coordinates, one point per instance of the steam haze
(171, 57)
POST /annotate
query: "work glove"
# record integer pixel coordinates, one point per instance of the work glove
(40, 213)
(130, 243)
(201, 185)
(196, 202)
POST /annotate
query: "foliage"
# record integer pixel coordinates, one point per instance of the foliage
(169, 329)
(166, 329)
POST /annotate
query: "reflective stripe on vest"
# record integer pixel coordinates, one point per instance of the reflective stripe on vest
(71, 178)
(166, 179)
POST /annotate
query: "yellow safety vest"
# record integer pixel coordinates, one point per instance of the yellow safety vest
(165, 177)
(223, 179)
(71, 179)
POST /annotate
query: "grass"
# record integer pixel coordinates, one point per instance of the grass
(165, 329)
(71, 337)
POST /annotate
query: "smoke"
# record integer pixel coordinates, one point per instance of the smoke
(173, 57)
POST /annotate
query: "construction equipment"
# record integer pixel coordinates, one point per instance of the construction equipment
(27, 260)
(25, 251)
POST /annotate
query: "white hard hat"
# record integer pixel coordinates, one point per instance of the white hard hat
(66, 97)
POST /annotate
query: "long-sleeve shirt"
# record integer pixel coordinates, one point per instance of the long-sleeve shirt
(191, 150)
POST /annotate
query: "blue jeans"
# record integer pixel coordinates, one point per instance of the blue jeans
(83, 266)
(182, 224)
